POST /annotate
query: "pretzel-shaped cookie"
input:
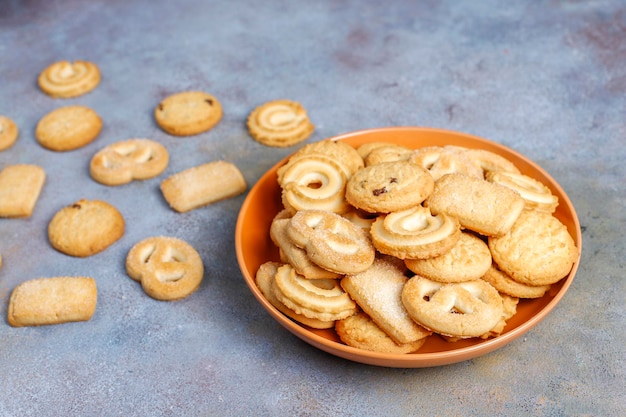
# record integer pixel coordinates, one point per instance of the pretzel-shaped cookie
(331, 241)
(314, 182)
(415, 233)
(132, 159)
(535, 194)
(64, 79)
(465, 309)
(168, 268)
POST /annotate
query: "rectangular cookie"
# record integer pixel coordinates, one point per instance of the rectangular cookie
(20, 186)
(56, 300)
(202, 185)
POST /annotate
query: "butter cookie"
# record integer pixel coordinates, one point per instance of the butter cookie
(8, 132)
(188, 113)
(20, 187)
(279, 123)
(68, 128)
(66, 79)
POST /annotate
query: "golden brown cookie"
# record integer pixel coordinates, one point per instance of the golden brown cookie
(538, 250)
(378, 292)
(85, 228)
(65, 79)
(68, 128)
(360, 331)
(125, 161)
(481, 206)
(56, 300)
(20, 186)
(8, 132)
(280, 123)
(389, 186)
(188, 113)
(490, 161)
(415, 233)
(442, 160)
(535, 194)
(168, 268)
(506, 285)
(467, 260)
(202, 185)
(387, 153)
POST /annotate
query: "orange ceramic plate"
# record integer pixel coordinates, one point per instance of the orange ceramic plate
(254, 247)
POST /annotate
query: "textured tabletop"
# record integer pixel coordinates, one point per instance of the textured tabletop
(545, 78)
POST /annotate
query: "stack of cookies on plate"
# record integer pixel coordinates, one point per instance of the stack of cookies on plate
(389, 245)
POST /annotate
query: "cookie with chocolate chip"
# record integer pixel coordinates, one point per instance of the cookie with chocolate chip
(188, 113)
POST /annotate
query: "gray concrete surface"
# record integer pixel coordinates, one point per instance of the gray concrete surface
(547, 78)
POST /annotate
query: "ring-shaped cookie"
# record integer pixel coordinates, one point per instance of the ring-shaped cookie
(415, 233)
(280, 123)
(464, 309)
(64, 79)
(168, 268)
(125, 161)
(331, 241)
(535, 194)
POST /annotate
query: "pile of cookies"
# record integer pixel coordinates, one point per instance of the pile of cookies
(389, 245)
(167, 268)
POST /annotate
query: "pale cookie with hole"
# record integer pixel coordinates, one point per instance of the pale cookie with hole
(361, 332)
(378, 291)
(264, 280)
(68, 128)
(188, 113)
(203, 185)
(463, 309)
(85, 228)
(538, 250)
(125, 161)
(389, 186)
(8, 132)
(467, 260)
(168, 268)
(64, 79)
(280, 123)
(20, 187)
(481, 206)
(56, 300)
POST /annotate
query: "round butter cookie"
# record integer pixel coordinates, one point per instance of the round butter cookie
(389, 186)
(188, 113)
(66, 79)
(68, 128)
(388, 153)
(538, 250)
(85, 228)
(8, 132)
(280, 123)
(506, 285)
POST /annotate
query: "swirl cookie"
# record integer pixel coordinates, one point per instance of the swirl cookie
(85, 228)
(467, 260)
(442, 160)
(68, 128)
(537, 250)
(415, 233)
(331, 241)
(387, 153)
(481, 206)
(279, 123)
(188, 113)
(167, 268)
(65, 79)
(464, 309)
(535, 194)
(8, 133)
(20, 187)
(389, 186)
(377, 291)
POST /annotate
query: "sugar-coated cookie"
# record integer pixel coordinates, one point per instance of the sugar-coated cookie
(280, 123)
(20, 187)
(8, 132)
(55, 300)
(188, 113)
(68, 128)
(66, 79)
(85, 228)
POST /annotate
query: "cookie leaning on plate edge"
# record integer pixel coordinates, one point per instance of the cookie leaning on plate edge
(254, 247)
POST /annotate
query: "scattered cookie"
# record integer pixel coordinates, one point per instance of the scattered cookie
(68, 128)
(125, 161)
(188, 113)
(168, 268)
(56, 300)
(85, 228)
(202, 185)
(65, 79)
(8, 133)
(280, 123)
(20, 186)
